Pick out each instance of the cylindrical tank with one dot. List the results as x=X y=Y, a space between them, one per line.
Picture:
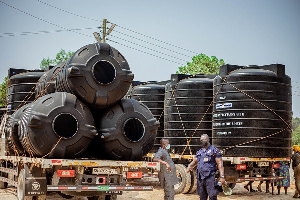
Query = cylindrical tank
x=127 y=131
x=184 y=109
x=97 y=74
x=152 y=95
x=13 y=132
x=57 y=124
x=254 y=104
x=46 y=84
x=20 y=90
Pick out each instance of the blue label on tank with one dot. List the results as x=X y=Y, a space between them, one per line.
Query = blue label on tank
x=224 y=105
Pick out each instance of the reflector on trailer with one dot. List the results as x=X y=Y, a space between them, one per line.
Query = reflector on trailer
x=241 y=167
x=275 y=166
x=66 y=173
x=134 y=174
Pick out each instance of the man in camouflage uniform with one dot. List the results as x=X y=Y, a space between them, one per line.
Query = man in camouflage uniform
x=167 y=174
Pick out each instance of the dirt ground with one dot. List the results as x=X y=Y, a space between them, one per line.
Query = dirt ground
x=238 y=193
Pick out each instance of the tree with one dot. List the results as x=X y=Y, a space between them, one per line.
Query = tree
x=202 y=64
x=296 y=136
x=61 y=56
x=3 y=88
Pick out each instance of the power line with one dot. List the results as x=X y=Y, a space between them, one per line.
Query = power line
x=144 y=52
x=71 y=13
x=155 y=39
x=42 y=19
x=41 y=32
x=150 y=43
x=149 y=48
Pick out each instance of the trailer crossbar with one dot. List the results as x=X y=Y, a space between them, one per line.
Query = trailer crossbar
x=81 y=188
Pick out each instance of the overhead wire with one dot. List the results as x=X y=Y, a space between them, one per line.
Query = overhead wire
x=93 y=19
x=144 y=52
x=38 y=18
x=41 y=32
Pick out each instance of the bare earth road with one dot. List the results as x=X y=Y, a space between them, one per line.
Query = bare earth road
x=239 y=192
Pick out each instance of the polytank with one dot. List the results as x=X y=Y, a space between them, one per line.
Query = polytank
x=97 y=74
x=253 y=106
x=57 y=125
x=127 y=131
x=185 y=107
x=152 y=94
x=21 y=89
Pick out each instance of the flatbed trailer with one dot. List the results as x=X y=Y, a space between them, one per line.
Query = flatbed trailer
x=95 y=179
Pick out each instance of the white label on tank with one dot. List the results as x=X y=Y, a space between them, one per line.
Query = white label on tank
x=224 y=105
x=223 y=133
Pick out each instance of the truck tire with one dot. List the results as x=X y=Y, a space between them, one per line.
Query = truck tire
x=193 y=187
x=126 y=130
x=21 y=187
x=184 y=180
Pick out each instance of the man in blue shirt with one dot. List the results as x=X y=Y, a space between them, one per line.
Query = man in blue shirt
x=208 y=159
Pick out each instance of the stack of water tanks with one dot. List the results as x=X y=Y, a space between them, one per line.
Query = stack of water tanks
x=253 y=109
x=78 y=105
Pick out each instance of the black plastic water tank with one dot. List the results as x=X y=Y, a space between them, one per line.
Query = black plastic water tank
x=97 y=74
x=185 y=109
x=46 y=84
x=20 y=89
x=127 y=131
x=238 y=119
x=54 y=116
x=152 y=95
x=13 y=131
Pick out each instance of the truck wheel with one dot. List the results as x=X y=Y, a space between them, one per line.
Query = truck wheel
x=21 y=187
x=193 y=181
x=184 y=179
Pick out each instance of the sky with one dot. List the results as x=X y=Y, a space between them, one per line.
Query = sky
x=156 y=37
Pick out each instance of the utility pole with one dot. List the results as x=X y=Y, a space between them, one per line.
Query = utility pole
x=104 y=30
x=104 y=33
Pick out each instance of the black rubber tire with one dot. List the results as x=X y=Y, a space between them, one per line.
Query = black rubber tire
x=194 y=177
x=184 y=180
x=21 y=187
x=126 y=131
x=59 y=115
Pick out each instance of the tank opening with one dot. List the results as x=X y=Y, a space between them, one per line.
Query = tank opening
x=104 y=72
x=134 y=129
x=65 y=125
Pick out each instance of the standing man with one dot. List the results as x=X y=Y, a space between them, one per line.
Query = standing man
x=296 y=168
x=208 y=160
x=167 y=174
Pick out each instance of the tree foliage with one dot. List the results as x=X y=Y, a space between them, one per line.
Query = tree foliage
x=3 y=88
x=202 y=64
x=296 y=131
x=61 y=56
